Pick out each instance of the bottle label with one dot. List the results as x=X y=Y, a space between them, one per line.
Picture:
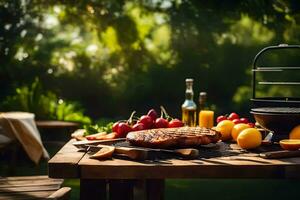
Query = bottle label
x=189 y=117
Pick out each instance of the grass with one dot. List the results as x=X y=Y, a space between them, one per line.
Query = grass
x=231 y=189
x=74 y=184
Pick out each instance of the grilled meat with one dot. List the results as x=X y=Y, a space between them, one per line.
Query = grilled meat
x=173 y=137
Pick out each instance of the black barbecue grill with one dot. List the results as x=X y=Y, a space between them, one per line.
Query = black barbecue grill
x=277 y=114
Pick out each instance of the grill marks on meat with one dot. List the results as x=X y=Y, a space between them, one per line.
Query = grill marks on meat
x=173 y=137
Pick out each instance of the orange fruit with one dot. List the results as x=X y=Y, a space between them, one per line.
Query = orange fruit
x=295 y=133
x=237 y=129
x=225 y=128
x=249 y=138
x=291 y=144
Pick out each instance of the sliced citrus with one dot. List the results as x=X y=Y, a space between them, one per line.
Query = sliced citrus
x=290 y=144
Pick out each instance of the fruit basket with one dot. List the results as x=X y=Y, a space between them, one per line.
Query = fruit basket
x=277 y=114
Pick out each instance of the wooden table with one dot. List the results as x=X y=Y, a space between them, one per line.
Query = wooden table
x=124 y=179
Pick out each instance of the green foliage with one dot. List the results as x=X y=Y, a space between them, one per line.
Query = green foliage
x=44 y=104
x=116 y=56
x=97 y=128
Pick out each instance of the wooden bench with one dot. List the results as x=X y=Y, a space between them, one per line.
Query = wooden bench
x=32 y=188
x=52 y=124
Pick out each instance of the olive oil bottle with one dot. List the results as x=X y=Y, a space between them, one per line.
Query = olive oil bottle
x=189 y=107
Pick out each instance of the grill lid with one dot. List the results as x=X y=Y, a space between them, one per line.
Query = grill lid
x=281 y=101
x=277 y=110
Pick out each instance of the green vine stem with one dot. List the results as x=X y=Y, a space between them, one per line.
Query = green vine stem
x=163 y=110
x=129 y=121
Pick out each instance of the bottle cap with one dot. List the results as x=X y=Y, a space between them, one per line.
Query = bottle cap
x=202 y=97
x=202 y=94
x=189 y=80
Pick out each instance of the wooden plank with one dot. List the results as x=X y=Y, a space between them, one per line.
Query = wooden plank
x=16 y=178
x=227 y=161
x=26 y=195
x=230 y=162
x=24 y=184
x=56 y=124
x=29 y=189
x=61 y=194
x=146 y=171
x=93 y=189
x=25 y=181
x=28 y=184
x=64 y=164
x=21 y=198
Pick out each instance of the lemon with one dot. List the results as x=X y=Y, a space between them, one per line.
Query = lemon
x=225 y=127
x=249 y=138
x=237 y=129
x=295 y=133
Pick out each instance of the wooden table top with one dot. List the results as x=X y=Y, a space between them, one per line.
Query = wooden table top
x=224 y=161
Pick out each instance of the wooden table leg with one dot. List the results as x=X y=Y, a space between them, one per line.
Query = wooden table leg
x=121 y=189
x=92 y=189
x=155 y=189
x=149 y=189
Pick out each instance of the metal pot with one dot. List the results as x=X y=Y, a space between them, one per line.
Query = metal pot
x=280 y=120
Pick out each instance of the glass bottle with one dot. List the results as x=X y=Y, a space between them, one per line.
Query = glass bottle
x=206 y=116
x=189 y=108
x=202 y=101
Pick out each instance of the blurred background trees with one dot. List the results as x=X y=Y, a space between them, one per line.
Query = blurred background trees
x=114 y=56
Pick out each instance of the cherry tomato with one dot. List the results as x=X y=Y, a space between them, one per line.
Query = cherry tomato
x=153 y=114
x=175 y=123
x=138 y=127
x=244 y=120
x=147 y=121
x=236 y=121
x=252 y=125
x=221 y=118
x=161 y=123
x=123 y=129
x=115 y=126
x=233 y=116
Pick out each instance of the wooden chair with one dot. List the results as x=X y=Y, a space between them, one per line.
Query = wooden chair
x=32 y=188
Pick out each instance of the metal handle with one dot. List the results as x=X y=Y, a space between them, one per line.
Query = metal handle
x=280 y=154
x=263 y=51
